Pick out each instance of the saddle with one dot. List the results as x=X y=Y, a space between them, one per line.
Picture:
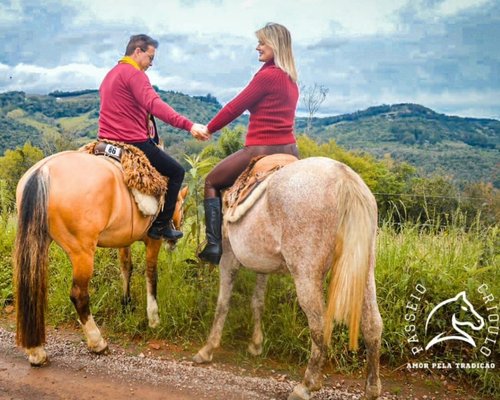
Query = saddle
x=147 y=185
x=251 y=183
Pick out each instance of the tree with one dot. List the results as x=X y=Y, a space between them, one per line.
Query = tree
x=55 y=142
x=230 y=141
x=13 y=165
x=312 y=98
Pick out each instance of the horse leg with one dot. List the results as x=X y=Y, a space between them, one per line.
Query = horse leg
x=83 y=265
x=310 y=296
x=152 y=250
x=228 y=268
x=371 y=327
x=126 y=268
x=258 y=298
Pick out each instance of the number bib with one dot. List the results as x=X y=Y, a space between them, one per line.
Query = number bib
x=113 y=151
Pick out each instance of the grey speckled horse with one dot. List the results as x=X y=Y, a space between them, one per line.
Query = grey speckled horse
x=316 y=216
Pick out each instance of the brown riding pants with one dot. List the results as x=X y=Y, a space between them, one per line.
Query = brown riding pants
x=227 y=171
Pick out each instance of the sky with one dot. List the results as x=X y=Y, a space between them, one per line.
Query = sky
x=442 y=54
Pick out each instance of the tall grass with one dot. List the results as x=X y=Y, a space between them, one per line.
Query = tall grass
x=444 y=260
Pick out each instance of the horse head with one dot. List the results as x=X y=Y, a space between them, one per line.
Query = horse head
x=475 y=322
x=463 y=315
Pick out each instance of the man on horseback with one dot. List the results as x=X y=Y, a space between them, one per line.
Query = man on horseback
x=271 y=97
x=128 y=104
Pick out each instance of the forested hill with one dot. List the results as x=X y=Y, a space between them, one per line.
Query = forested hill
x=465 y=148
x=74 y=114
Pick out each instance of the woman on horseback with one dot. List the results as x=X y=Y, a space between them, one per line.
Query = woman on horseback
x=271 y=98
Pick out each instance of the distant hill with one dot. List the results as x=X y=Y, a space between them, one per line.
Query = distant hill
x=24 y=117
x=465 y=148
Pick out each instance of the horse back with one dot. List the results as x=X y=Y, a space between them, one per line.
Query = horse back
x=297 y=216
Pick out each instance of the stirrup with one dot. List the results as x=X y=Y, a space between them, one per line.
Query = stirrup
x=164 y=232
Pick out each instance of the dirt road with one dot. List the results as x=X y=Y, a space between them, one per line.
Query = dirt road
x=75 y=374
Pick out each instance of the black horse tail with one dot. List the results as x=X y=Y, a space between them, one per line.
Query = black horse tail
x=31 y=260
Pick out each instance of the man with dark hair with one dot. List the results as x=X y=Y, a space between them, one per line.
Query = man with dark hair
x=142 y=41
x=128 y=104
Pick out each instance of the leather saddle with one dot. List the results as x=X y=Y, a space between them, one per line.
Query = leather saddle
x=251 y=184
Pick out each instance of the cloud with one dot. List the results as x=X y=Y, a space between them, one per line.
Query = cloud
x=448 y=8
x=10 y=12
x=308 y=19
x=36 y=79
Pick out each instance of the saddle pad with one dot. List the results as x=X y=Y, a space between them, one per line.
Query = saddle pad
x=138 y=173
x=259 y=169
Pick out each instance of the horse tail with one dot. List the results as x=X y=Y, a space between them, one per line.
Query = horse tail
x=353 y=255
x=31 y=260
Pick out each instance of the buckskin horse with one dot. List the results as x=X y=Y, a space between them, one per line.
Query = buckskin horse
x=316 y=216
x=81 y=202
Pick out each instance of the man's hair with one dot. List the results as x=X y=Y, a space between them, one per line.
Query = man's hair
x=280 y=40
x=142 y=41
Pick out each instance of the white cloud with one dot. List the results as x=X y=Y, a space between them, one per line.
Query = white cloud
x=36 y=79
x=444 y=9
x=10 y=12
x=453 y=7
x=308 y=20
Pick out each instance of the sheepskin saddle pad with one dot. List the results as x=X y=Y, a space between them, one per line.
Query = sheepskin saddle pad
x=147 y=185
x=252 y=183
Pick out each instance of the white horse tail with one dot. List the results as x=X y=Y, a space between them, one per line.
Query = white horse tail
x=353 y=253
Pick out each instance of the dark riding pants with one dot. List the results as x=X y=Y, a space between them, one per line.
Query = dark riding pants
x=167 y=166
x=227 y=171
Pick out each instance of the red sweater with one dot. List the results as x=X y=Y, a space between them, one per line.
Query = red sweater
x=271 y=97
x=127 y=98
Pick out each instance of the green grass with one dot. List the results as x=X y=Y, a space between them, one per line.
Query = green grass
x=445 y=261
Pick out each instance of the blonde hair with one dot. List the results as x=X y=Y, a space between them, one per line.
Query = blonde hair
x=279 y=39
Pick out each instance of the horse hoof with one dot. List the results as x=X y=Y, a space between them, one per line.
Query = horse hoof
x=154 y=323
x=199 y=358
x=300 y=392
x=373 y=392
x=254 y=349
x=99 y=348
x=37 y=356
x=153 y=320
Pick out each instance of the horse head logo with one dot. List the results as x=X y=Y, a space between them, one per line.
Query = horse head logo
x=472 y=320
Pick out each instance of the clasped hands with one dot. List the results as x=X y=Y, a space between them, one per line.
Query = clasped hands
x=200 y=132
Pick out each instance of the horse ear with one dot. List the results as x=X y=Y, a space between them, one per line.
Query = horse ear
x=184 y=192
x=461 y=295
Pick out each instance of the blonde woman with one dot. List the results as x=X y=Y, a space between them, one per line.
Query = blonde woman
x=271 y=98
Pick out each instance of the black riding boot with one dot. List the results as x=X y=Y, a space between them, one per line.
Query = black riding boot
x=163 y=227
x=163 y=230
x=213 y=219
